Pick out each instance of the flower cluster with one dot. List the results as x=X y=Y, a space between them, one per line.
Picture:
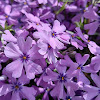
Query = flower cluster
x=49 y=50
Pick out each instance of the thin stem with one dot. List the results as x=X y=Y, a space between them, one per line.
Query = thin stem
x=62 y=8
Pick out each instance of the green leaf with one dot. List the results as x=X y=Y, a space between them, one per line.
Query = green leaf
x=47 y=61
x=68 y=0
x=55 y=70
x=62 y=8
x=7 y=27
x=1 y=28
x=78 y=38
x=77 y=24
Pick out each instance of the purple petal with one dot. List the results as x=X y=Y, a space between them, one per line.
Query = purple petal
x=16 y=68
x=28 y=44
x=12 y=51
x=32 y=69
x=9 y=37
x=91 y=92
x=96 y=79
x=52 y=76
x=4 y=89
x=58 y=28
x=92 y=27
x=15 y=96
x=31 y=92
x=77 y=18
x=21 y=43
x=83 y=78
x=23 y=79
x=71 y=88
x=93 y=47
x=78 y=57
x=7 y=9
x=84 y=59
x=80 y=34
x=58 y=91
x=90 y=14
x=98 y=97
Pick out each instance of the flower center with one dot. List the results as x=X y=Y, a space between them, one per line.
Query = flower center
x=49 y=47
x=62 y=77
x=24 y=57
x=82 y=10
x=16 y=86
x=88 y=40
x=48 y=89
x=37 y=23
x=54 y=34
x=79 y=67
x=25 y=3
x=72 y=36
x=6 y=16
x=68 y=98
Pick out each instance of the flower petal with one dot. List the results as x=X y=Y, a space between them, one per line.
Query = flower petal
x=4 y=89
x=15 y=96
x=12 y=50
x=51 y=76
x=16 y=68
x=7 y=9
x=31 y=92
x=96 y=79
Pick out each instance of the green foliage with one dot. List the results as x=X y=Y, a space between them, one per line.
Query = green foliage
x=8 y=27
x=39 y=97
x=47 y=61
x=62 y=8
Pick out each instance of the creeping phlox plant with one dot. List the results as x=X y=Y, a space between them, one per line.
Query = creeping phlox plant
x=49 y=49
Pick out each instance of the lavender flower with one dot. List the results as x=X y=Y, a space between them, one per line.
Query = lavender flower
x=23 y=56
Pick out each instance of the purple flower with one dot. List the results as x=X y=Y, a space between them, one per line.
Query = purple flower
x=93 y=26
x=95 y=63
x=45 y=88
x=18 y=90
x=54 y=35
x=47 y=51
x=8 y=37
x=34 y=21
x=78 y=68
x=73 y=40
x=92 y=91
x=93 y=47
x=56 y=32
x=23 y=56
x=10 y=15
x=61 y=79
x=3 y=58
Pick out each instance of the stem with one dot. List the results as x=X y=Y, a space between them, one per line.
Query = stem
x=62 y=8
